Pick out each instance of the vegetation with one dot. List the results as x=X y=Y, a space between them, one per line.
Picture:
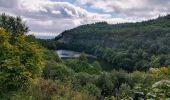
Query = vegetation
x=30 y=72
x=21 y=63
x=130 y=46
x=13 y=25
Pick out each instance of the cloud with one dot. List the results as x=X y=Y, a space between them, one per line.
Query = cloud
x=56 y=12
x=49 y=16
x=54 y=16
x=131 y=8
x=11 y=4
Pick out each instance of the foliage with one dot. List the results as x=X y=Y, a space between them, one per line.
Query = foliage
x=133 y=47
x=12 y=24
x=129 y=46
x=82 y=66
x=20 y=63
x=83 y=57
x=125 y=92
x=105 y=84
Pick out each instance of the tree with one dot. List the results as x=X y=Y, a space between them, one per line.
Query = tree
x=81 y=80
x=105 y=84
x=83 y=57
x=135 y=78
x=160 y=90
x=97 y=65
x=60 y=72
x=13 y=25
x=20 y=63
x=125 y=92
x=118 y=77
x=93 y=90
x=168 y=71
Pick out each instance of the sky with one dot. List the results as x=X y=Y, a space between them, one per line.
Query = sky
x=48 y=18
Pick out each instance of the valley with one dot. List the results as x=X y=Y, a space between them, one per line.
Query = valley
x=99 y=61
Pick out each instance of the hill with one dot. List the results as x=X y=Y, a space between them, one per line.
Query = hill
x=131 y=46
x=30 y=72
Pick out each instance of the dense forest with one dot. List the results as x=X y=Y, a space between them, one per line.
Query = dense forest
x=130 y=46
x=30 y=69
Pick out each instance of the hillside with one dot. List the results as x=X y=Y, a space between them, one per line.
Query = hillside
x=28 y=71
x=131 y=46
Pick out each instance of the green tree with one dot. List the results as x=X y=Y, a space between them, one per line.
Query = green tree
x=93 y=90
x=12 y=24
x=125 y=92
x=136 y=78
x=105 y=84
x=83 y=57
x=20 y=63
x=60 y=72
x=82 y=79
x=97 y=65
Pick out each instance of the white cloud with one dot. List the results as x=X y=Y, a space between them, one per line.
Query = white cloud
x=131 y=8
x=46 y=16
x=56 y=12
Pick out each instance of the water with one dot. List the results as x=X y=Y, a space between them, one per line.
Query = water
x=68 y=54
x=71 y=54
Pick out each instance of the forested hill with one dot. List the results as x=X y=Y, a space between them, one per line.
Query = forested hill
x=30 y=72
x=131 y=46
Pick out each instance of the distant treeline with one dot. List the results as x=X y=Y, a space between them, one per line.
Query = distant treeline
x=131 y=46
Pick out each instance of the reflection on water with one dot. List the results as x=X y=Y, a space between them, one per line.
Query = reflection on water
x=73 y=54
x=70 y=54
x=67 y=54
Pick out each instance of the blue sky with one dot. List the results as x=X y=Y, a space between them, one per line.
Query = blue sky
x=47 y=18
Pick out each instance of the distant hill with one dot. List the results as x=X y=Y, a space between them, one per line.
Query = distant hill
x=131 y=46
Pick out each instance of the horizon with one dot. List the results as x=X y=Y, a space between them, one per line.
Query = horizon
x=48 y=18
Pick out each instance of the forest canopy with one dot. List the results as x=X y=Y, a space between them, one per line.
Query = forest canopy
x=30 y=71
x=130 y=46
